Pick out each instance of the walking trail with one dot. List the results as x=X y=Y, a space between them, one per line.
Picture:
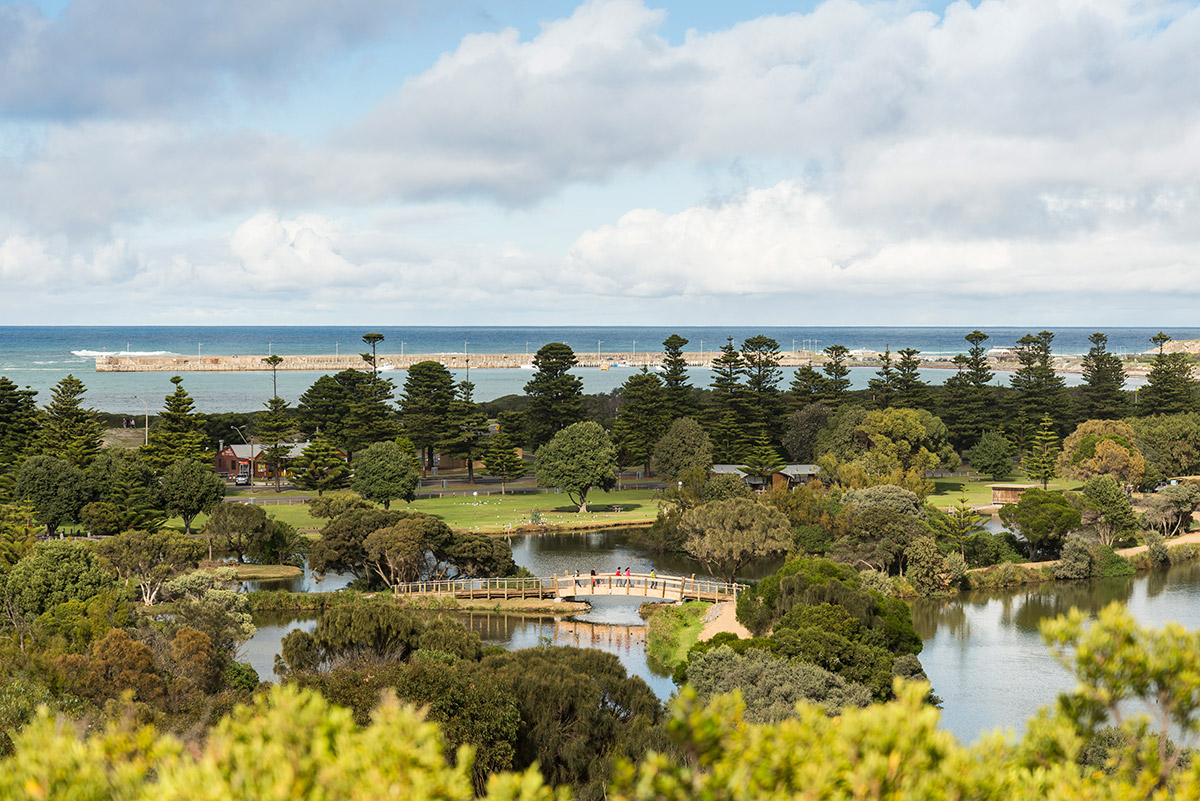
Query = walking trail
x=723 y=618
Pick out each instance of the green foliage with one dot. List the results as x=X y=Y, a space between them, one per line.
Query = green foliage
x=425 y=405
x=18 y=424
x=149 y=558
x=725 y=535
x=179 y=433
x=891 y=446
x=992 y=455
x=56 y=572
x=1100 y=447
x=502 y=460
x=274 y=427
x=340 y=548
x=800 y=438
x=969 y=400
x=320 y=467
x=579 y=457
x=555 y=395
x=1038 y=390
x=56 y=489
x=204 y=601
x=642 y=419
x=1041 y=461
x=928 y=571
x=1107 y=510
x=677 y=390
x=878 y=537
x=336 y=504
x=68 y=430
x=1170 y=443
x=1170 y=388
x=1042 y=518
x=189 y=488
x=762 y=461
x=1169 y=511
x=1102 y=396
x=384 y=473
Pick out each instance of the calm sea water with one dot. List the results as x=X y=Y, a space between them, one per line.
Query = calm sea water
x=38 y=357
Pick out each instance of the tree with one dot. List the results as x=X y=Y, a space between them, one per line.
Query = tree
x=340 y=547
x=179 y=433
x=958 y=523
x=468 y=428
x=683 y=450
x=1102 y=447
x=725 y=535
x=555 y=395
x=837 y=375
x=502 y=460
x=274 y=427
x=56 y=572
x=887 y=446
x=1169 y=511
x=189 y=488
x=760 y=356
x=908 y=388
x=149 y=558
x=883 y=386
x=1170 y=387
x=642 y=419
x=273 y=361
x=321 y=467
x=969 y=406
x=325 y=407
x=878 y=538
x=578 y=458
x=727 y=412
x=385 y=473
x=68 y=430
x=677 y=389
x=370 y=417
x=1107 y=510
x=1038 y=391
x=1102 y=396
x=239 y=526
x=992 y=455
x=18 y=424
x=425 y=408
x=372 y=341
x=802 y=431
x=55 y=487
x=1041 y=461
x=1042 y=518
x=762 y=461
x=808 y=386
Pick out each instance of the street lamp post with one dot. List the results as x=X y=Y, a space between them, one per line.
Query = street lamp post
x=146 y=406
x=474 y=508
x=198 y=344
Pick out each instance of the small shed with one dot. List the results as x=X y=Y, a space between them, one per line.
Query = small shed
x=1008 y=493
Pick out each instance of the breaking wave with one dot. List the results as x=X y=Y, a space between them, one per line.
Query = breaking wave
x=94 y=353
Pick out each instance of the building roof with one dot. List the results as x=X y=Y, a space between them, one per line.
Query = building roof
x=789 y=470
x=244 y=451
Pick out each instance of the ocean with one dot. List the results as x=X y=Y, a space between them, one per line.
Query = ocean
x=38 y=357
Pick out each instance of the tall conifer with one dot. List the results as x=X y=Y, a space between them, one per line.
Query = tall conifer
x=69 y=431
x=179 y=433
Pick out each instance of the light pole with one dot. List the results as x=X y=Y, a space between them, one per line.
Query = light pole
x=402 y=344
x=146 y=406
x=198 y=344
x=474 y=508
x=598 y=341
x=467 y=360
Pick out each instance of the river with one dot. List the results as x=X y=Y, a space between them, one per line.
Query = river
x=983 y=650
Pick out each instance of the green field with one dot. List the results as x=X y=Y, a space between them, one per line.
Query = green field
x=496 y=513
x=948 y=490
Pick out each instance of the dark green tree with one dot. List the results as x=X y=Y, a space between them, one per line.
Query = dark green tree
x=910 y=391
x=642 y=419
x=384 y=473
x=1107 y=510
x=808 y=386
x=837 y=375
x=764 y=406
x=677 y=387
x=1041 y=460
x=1170 y=387
x=684 y=450
x=725 y=535
x=555 y=395
x=727 y=411
x=274 y=429
x=371 y=417
x=425 y=407
x=148 y=559
x=969 y=401
x=468 y=428
x=325 y=406
x=578 y=458
x=804 y=426
x=1037 y=390
x=68 y=430
x=340 y=547
x=56 y=488
x=273 y=361
x=56 y=572
x=321 y=467
x=502 y=460
x=189 y=488
x=372 y=341
x=179 y=433
x=883 y=386
x=992 y=455
x=1102 y=396
x=762 y=461
x=18 y=424
x=1042 y=519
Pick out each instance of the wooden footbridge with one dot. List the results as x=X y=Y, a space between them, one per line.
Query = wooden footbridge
x=636 y=585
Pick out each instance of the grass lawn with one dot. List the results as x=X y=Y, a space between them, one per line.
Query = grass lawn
x=494 y=513
x=947 y=491
x=672 y=630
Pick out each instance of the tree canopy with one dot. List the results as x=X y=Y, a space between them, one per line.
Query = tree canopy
x=578 y=458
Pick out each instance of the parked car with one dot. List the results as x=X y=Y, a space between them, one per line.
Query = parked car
x=242 y=480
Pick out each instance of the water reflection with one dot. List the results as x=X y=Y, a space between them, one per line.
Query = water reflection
x=272 y=627
x=307 y=581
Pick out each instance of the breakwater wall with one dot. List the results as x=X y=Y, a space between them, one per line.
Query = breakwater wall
x=392 y=361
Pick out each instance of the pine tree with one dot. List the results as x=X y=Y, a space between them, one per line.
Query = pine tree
x=274 y=427
x=425 y=406
x=910 y=391
x=69 y=431
x=555 y=395
x=18 y=424
x=642 y=418
x=727 y=410
x=321 y=467
x=678 y=389
x=760 y=355
x=179 y=433
x=837 y=375
x=502 y=460
x=1102 y=396
x=370 y=417
x=372 y=341
x=1037 y=390
x=969 y=402
x=884 y=386
x=762 y=461
x=1170 y=387
x=467 y=428
x=1041 y=461
x=808 y=386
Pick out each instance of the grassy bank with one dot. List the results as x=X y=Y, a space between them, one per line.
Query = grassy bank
x=282 y=601
x=671 y=630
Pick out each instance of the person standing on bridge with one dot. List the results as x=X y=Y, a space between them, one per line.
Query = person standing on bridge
x=653 y=583
x=593 y=578
x=618 y=584
x=576 y=577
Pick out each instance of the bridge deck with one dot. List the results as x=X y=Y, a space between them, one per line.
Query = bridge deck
x=638 y=585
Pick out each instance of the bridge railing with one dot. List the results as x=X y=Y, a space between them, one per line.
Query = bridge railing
x=636 y=584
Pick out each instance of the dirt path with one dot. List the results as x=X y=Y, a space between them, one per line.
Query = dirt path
x=1180 y=540
x=723 y=617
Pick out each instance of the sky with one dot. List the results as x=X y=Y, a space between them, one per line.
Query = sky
x=302 y=162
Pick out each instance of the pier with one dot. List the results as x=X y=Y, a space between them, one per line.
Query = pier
x=390 y=361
